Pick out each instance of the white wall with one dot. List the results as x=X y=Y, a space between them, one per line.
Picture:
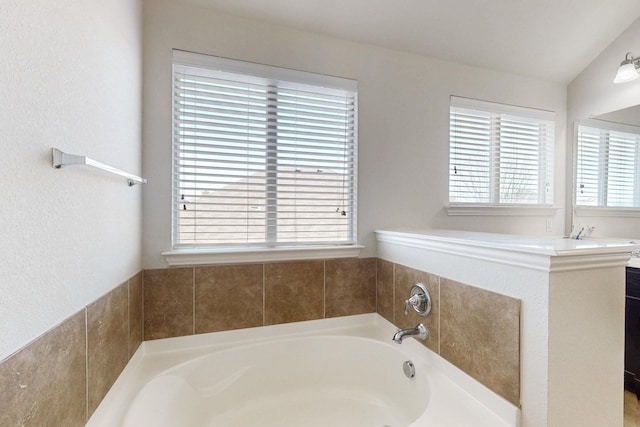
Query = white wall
x=70 y=77
x=403 y=117
x=594 y=93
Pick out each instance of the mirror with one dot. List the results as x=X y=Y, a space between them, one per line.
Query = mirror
x=617 y=220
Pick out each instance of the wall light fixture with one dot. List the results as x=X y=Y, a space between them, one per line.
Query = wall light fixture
x=628 y=69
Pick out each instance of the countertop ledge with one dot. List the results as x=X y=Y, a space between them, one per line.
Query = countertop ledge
x=538 y=253
x=552 y=246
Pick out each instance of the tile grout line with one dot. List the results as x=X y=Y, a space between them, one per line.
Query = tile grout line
x=142 y=297
x=376 y=283
x=439 y=311
x=86 y=364
x=193 y=300
x=324 y=289
x=393 y=292
x=129 y=343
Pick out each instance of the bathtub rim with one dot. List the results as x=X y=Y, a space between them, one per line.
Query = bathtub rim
x=155 y=357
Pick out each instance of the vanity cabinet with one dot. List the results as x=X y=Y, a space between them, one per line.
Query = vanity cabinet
x=632 y=332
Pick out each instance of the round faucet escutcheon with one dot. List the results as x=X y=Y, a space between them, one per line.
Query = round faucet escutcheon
x=419 y=299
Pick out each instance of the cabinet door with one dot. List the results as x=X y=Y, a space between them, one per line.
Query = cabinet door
x=632 y=336
x=632 y=332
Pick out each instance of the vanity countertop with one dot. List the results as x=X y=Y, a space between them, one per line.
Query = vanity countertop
x=634 y=262
x=542 y=245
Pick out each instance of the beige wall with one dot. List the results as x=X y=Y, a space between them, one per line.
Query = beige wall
x=403 y=118
x=71 y=78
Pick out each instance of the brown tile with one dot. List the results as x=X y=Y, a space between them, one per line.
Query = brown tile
x=294 y=291
x=480 y=334
x=384 y=289
x=135 y=313
x=168 y=302
x=44 y=384
x=405 y=278
x=350 y=285
x=107 y=343
x=228 y=297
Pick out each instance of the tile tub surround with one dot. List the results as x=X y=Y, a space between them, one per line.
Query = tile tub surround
x=228 y=297
x=480 y=334
x=192 y=300
x=475 y=329
x=64 y=374
x=61 y=377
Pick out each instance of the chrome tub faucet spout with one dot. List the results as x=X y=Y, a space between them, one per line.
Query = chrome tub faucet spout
x=420 y=331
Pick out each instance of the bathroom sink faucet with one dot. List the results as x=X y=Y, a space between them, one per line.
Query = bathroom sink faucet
x=420 y=331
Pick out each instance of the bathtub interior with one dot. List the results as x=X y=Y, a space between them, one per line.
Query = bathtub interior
x=239 y=377
x=309 y=381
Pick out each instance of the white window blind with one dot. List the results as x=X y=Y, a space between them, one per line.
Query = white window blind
x=499 y=154
x=608 y=165
x=262 y=156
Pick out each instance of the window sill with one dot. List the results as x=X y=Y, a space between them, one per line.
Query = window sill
x=604 y=211
x=497 y=210
x=187 y=257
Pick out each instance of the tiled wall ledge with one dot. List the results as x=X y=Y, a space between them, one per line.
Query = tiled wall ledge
x=61 y=377
x=193 y=300
x=475 y=329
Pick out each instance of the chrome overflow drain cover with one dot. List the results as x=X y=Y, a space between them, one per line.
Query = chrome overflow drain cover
x=409 y=369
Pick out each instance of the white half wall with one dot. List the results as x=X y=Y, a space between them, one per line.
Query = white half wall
x=71 y=78
x=403 y=118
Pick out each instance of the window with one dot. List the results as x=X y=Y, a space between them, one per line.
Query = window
x=608 y=165
x=499 y=155
x=263 y=156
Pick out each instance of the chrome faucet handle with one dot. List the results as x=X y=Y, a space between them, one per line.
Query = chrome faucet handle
x=420 y=300
x=414 y=301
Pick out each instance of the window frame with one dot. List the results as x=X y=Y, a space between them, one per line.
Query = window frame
x=601 y=209
x=545 y=205
x=249 y=252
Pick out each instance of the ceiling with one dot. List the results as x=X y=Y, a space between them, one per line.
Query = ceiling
x=548 y=39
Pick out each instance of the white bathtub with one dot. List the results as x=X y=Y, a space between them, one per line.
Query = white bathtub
x=342 y=372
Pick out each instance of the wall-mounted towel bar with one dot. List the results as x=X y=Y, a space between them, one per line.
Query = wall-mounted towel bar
x=64 y=159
